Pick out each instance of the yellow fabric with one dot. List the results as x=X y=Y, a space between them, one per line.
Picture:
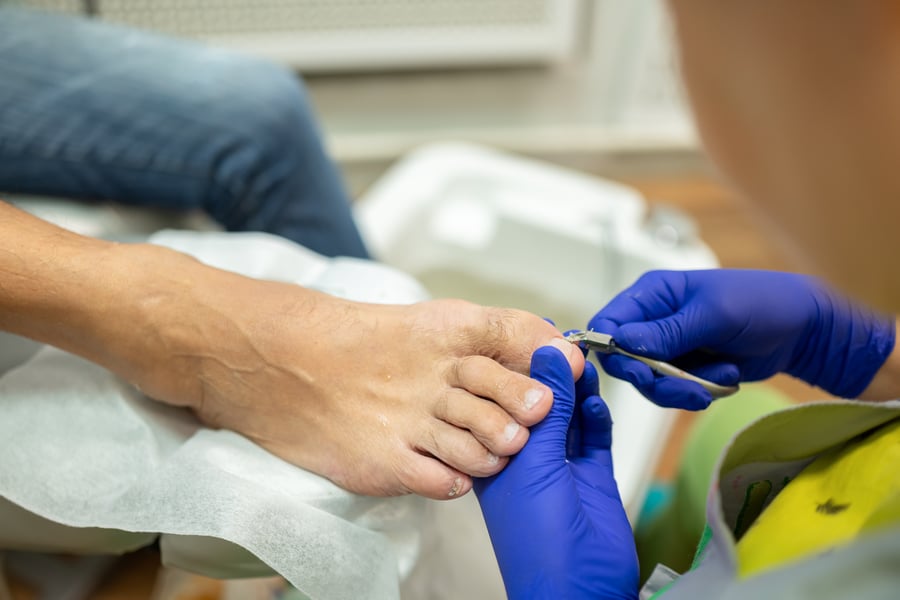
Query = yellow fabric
x=842 y=494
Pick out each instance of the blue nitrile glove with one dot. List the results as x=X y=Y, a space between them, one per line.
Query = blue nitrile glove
x=730 y=325
x=557 y=523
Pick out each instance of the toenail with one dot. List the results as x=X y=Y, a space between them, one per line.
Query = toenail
x=563 y=346
x=510 y=431
x=457 y=485
x=492 y=459
x=532 y=397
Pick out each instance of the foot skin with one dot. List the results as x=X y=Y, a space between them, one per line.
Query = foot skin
x=383 y=400
x=380 y=399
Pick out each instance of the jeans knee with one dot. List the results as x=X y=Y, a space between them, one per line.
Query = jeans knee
x=270 y=169
x=269 y=128
x=275 y=111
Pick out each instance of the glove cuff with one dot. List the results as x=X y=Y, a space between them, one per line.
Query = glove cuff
x=848 y=346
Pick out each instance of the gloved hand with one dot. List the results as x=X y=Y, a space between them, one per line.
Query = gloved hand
x=556 y=521
x=736 y=325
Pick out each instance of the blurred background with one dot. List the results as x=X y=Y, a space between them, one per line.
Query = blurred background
x=583 y=82
x=587 y=84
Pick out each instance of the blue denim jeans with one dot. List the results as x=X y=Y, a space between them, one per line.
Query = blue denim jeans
x=95 y=111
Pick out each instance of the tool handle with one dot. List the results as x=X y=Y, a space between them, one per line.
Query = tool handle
x=663 y=368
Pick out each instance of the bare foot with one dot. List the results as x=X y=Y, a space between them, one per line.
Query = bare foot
x=382 y=400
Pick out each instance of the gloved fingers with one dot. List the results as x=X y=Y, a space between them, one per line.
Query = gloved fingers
x=622 y=367
x=550 y=367
x=592 y=467
x=589 y=382
x=573 y=436
x=677 y=336
x=543 y=459
x=655 y=295
x=723 y=373
x=666 y=338
x=668 y=392
x=671 y=392
x=586 y=386
x=596 y=432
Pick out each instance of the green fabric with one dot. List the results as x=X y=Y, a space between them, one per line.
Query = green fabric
x=671 y=536
x=701 y=545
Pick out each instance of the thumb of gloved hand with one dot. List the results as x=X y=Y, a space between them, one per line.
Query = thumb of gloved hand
x=557 y=522
x=544 y=455
x=546 y=448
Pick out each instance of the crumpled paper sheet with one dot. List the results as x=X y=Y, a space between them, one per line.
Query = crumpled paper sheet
x=83 y=449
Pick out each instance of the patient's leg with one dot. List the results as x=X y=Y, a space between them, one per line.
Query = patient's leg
x=95 y=111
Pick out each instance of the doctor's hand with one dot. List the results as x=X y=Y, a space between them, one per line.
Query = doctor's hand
x=729 y=325
x=555 y=517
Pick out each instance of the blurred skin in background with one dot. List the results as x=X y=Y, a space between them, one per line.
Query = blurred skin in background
x=798 y=104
